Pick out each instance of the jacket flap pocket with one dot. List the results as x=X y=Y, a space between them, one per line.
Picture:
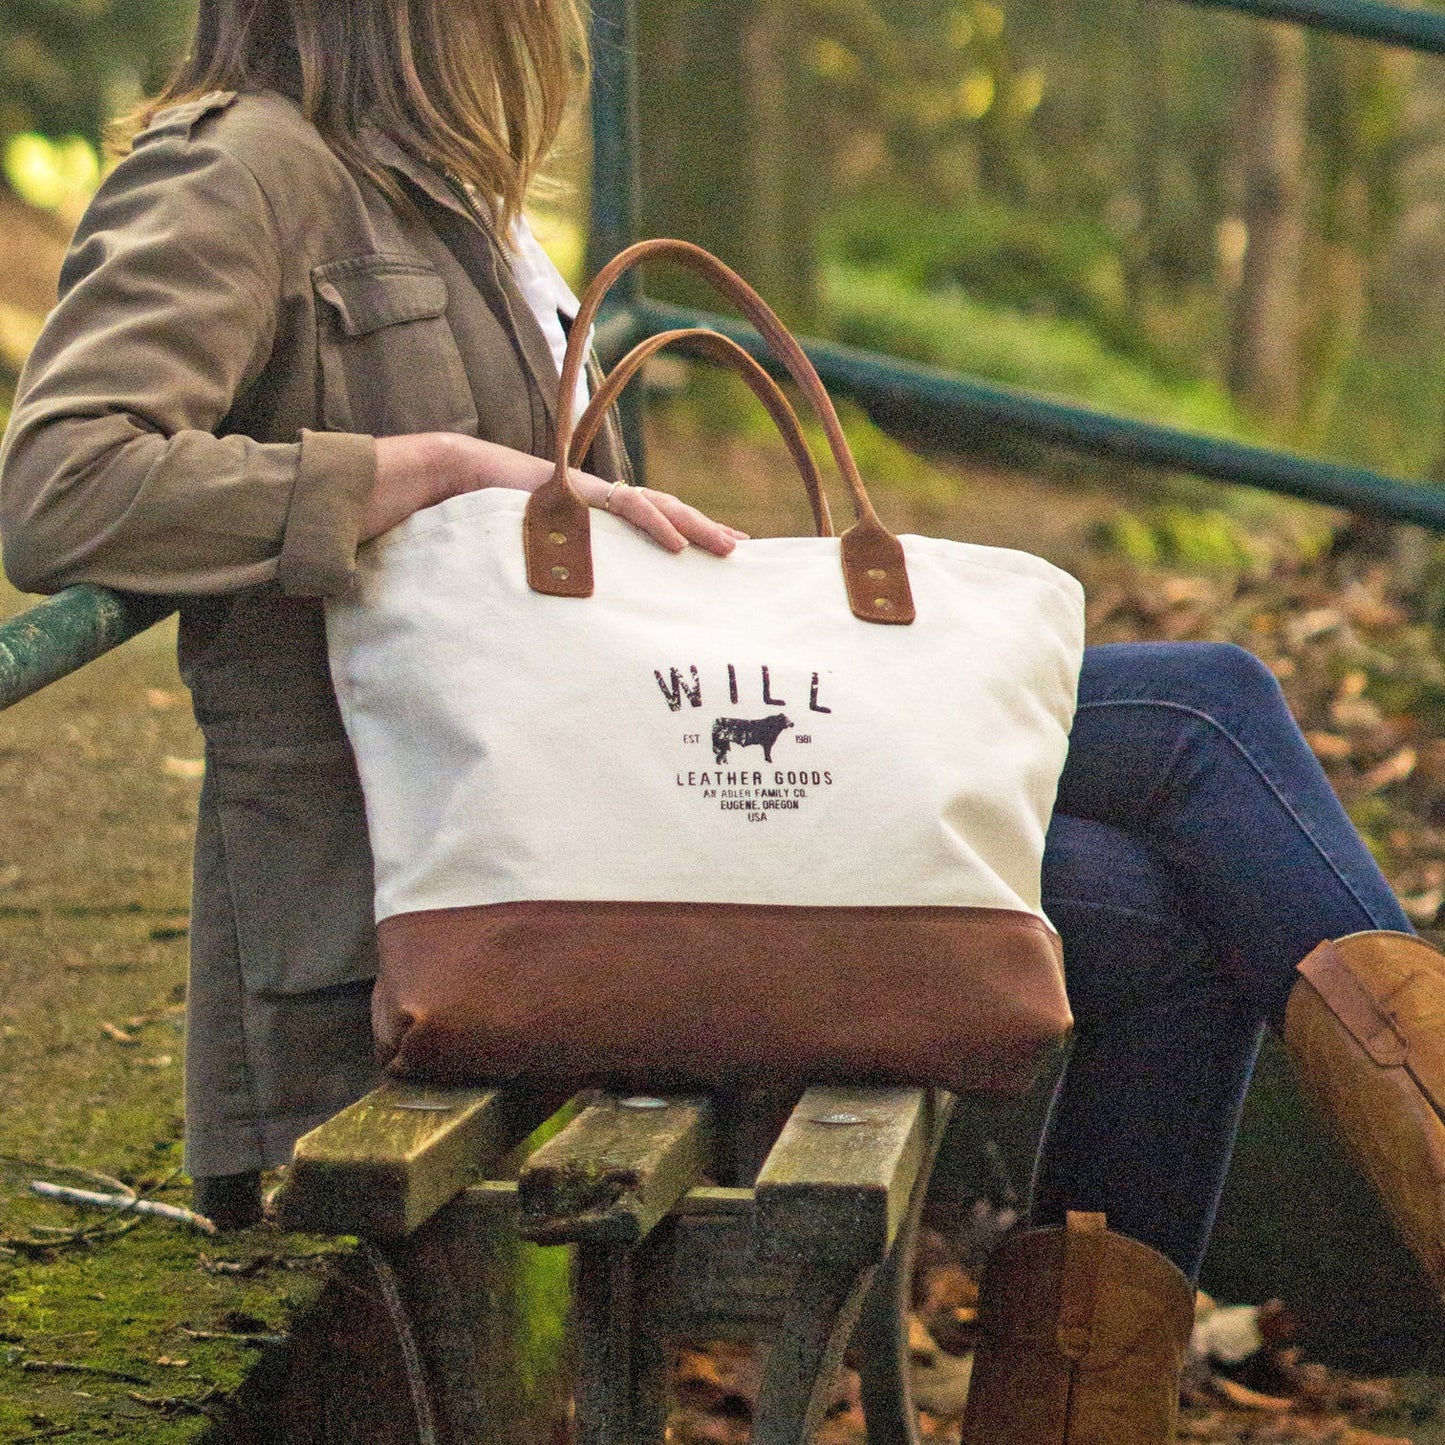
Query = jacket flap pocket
x=369 y=292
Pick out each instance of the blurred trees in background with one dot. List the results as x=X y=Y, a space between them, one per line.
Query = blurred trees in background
x=1147 y=206
x=68 y=66
x=1193 y=215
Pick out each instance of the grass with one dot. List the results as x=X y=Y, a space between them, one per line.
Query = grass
x=874 y=309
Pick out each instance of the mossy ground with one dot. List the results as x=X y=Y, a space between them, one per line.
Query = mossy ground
x=98 y=784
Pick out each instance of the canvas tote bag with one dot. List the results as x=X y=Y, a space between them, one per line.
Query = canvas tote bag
x=680 y=818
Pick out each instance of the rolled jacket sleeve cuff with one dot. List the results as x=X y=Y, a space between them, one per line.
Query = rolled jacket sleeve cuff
x=333 y=484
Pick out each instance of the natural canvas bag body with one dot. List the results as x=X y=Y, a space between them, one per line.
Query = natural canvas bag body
x=637 y=814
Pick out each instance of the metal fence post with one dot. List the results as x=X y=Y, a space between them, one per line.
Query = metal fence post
x=616 y=189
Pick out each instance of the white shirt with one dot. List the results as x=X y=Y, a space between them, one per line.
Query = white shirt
x=546 y=293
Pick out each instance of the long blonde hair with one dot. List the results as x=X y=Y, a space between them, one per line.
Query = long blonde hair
x=478 y=88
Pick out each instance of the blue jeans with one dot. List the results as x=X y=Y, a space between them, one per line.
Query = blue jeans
x=1196 y=855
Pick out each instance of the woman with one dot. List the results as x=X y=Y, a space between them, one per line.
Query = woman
x=275 y=340
x=305 y=306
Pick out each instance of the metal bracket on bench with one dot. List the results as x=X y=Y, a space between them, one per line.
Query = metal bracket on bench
x=606 y=1183
x=846 y=1173
x=883 y=1326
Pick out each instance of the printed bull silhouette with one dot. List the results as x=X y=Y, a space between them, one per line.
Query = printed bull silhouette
x=744 y=732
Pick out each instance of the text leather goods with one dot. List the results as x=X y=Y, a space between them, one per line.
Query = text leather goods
x=638 y=815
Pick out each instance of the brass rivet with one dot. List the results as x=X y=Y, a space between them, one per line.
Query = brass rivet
x=558 y=537
x=877 y=573
x=882 y=604
x=561 y=573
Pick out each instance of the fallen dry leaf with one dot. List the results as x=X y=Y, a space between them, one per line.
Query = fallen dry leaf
x=1421 y=908
x=1247 y=1399
x=1356 y=714
x=1392 y=770
x=1329 y=747
x=949 y=1288
x=940 y=1380
x=1307 y=626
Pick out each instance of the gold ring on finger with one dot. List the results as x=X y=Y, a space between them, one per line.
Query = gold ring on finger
x=611 y=492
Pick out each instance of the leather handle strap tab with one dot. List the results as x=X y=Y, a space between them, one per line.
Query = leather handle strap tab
x=873 y=564
x=726 y=352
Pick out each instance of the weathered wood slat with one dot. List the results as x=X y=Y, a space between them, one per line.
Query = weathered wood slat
x=719 y=1286
x=713 y=1199
x=836 y=1186
x=615 y=1171
x=384 y=1166
x=498 y=1198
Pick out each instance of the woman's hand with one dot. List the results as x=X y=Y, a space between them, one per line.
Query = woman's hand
x=418 y=471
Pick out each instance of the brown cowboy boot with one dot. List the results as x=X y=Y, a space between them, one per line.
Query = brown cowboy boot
x=1083 y=1340
x=1365 y=1030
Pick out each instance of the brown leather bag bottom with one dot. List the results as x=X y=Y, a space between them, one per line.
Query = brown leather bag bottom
x=719 y=994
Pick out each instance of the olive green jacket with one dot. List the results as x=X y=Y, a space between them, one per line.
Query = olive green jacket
x=240 y=316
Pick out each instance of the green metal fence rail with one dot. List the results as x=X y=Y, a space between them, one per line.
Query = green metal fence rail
x=65 y=632
x=1390 y=24
x=951 y=413
x=955 y=413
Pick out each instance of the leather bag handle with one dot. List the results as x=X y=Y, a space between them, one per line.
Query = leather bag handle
x=556 y=527
x=726 y=352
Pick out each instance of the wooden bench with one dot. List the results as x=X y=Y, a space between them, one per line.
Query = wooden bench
x=690 y=1219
